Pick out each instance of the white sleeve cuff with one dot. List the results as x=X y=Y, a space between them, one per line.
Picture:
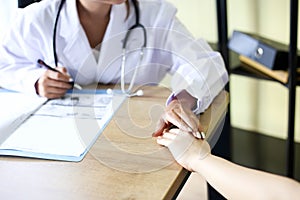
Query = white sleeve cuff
x=197 y=110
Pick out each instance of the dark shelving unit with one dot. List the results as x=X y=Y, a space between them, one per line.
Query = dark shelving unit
x=292 y=72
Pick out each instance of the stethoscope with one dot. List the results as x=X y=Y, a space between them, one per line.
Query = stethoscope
x=128 y=92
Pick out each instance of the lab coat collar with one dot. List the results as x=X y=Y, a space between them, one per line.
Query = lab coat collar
x=111 y=47
x=117 y=23
x=77 y=50
x=69 y=20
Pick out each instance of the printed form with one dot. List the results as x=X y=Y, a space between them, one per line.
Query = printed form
x=62 y=129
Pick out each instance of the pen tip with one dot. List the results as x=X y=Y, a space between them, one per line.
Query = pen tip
x=78 y=87
x=200 y=135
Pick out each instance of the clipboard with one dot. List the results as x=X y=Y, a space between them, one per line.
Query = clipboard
x=62 y=129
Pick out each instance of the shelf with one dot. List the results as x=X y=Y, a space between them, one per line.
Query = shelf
x=244 y=70
x=239 y=68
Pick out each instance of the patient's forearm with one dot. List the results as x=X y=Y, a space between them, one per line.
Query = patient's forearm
x=237 y=182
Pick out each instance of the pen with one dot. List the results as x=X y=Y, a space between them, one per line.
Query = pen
x=41 y=62
x=199 y=135
x=168 y=126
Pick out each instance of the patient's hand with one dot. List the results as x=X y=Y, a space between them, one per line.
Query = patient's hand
x=184 y=147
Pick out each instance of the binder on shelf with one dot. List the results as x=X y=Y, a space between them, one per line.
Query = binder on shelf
x=269 y=53
x=61 y=129
x=256 y=67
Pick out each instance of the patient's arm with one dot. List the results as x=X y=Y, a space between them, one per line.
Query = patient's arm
x=237 y=182
x=231 y=180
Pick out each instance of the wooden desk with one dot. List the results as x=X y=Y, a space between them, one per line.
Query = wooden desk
x=124 y=163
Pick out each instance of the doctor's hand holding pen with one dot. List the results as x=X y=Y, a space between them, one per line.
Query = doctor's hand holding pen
x=54 y=83
x=178 y=113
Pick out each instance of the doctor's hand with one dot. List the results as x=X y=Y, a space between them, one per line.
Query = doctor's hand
x=179 y=113
x=185 y=148
x=53 y=84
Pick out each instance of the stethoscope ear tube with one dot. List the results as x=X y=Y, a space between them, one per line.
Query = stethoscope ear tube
x=55 y=30
x=129 y=32
x=137 y=11
x=136 y=25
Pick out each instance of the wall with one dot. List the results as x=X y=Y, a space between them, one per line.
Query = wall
x=7 y=11
x=256 y=105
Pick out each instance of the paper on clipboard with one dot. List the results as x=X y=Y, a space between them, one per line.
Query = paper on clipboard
x=63 y=129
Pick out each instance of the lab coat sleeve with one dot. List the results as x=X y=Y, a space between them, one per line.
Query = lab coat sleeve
x=19 y=51
x=196 y=67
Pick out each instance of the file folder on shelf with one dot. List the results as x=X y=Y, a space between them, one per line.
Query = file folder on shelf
x=269 y=53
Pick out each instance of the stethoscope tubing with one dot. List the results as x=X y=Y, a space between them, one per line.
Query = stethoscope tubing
x=137 y=24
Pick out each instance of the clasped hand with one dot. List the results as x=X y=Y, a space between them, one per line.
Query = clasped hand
x=179 y=113
x=185 y=148
x=181 y=141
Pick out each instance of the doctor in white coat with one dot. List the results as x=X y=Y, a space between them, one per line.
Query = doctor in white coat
x=88 y=40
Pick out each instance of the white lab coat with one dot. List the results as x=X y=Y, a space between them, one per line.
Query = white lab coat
x=170 y=49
